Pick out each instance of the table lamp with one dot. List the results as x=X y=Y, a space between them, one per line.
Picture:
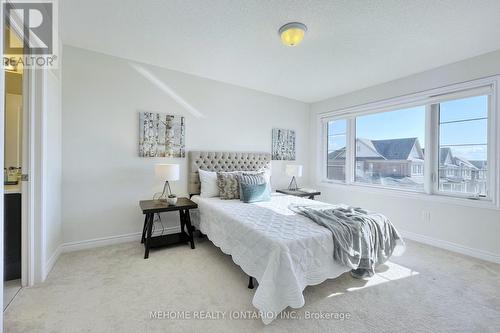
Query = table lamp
x=167 y=172
x=293 y=171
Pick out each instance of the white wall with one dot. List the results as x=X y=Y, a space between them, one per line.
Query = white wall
x=470 y=230
x=103 y=177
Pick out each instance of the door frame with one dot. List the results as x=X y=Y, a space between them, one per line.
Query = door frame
x=27 y=221
x=34 y=139
x=32 y=249
x=2 y=124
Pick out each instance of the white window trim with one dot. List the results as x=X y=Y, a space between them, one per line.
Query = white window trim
x=427 y=98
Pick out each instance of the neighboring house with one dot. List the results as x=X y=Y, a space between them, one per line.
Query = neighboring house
x=400 y=162
x=461 y=175
x=403 y=158
x=336 y=164
x=482 y=169
x=383 y=162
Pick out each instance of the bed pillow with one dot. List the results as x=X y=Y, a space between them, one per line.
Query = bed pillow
x=253 y=178
x=267 y=174
x=254 y=192
x=208 y=181
x=228 y=185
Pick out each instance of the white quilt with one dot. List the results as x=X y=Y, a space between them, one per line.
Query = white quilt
x=284 y=251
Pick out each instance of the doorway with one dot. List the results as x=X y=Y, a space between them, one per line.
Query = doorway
x=13 y=165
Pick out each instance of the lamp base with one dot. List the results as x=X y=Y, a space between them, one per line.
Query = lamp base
x=172 y=201
x=169 y=198
x=293 y=185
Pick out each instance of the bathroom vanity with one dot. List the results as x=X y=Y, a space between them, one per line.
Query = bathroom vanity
x=12 y=232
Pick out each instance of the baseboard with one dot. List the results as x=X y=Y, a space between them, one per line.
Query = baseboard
x=454 y=247
x=51 y=262
x=112 y=240
x=105 y=241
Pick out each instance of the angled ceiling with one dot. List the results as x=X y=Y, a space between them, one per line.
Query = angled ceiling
x=349 y=44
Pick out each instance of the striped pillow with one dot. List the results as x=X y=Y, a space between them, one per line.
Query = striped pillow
x=252 y=179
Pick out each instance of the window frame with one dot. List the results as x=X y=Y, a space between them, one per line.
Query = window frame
x=490 y=156
x=430 y=99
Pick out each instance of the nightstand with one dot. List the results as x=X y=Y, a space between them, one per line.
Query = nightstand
x=152 y=207
x=299 y=193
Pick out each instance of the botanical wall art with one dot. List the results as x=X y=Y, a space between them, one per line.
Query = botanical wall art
x=283 y=144
x=161 y=135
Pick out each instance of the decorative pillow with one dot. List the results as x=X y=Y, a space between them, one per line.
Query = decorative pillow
x=208 y=181
x=252 y=178
x=228 y=185
x=267 y=174
x=255 y=192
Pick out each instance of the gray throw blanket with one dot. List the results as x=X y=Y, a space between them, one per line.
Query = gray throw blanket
x=361 y=240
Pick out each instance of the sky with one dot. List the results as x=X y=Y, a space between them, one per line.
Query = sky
x=408 y=123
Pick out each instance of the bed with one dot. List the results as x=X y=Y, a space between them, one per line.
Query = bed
x=283 y=251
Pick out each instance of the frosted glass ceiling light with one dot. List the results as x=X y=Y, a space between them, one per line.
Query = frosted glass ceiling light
x=292 y=33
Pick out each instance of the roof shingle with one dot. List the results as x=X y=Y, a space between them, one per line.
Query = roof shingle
x=395 y=149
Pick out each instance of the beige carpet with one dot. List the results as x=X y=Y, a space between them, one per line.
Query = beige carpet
x=112 y=289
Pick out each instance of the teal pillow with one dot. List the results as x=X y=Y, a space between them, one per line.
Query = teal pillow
x=251 y=178
x=254 y=193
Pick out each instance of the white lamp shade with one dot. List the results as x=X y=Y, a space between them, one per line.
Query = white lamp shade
x=167 y=171
x=293 y=170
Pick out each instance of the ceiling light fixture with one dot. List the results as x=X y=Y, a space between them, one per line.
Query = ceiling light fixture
x=292 y=33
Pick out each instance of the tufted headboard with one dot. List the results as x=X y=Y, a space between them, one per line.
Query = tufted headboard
x=223 y=161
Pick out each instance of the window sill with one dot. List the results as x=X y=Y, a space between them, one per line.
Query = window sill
x=394 y=192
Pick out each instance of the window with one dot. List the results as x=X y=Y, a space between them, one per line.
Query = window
x=417 y=169
x=336 y=151
x=439 y=142
x=389 y=148
x=463 y=146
